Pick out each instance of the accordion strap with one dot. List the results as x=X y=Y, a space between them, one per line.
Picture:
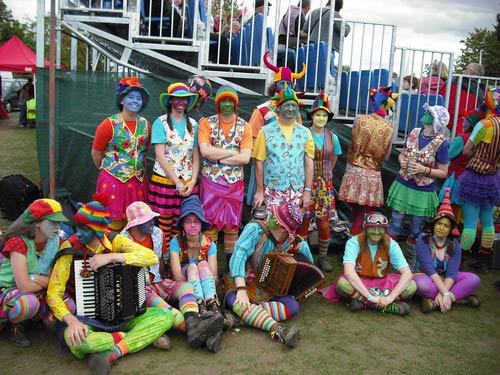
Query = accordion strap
x=75 y=251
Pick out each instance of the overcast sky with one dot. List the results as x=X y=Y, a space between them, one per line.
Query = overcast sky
x=428 y=24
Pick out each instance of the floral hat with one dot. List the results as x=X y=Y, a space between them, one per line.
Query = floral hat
x=178 y=90
x=127 y=85
x=139 y=213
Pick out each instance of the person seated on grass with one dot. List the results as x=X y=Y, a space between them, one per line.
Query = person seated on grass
x=100 y=342
x=162 y=291
x=439 y=254
x=29 y=247
x=366 y=280
x=255 y=306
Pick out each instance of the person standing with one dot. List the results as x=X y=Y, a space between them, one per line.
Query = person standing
x=226 y=144
x=119 y=151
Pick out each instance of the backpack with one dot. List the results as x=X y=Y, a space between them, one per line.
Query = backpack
x=17 y=192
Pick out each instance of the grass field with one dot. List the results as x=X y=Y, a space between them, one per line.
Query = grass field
x=333 y=340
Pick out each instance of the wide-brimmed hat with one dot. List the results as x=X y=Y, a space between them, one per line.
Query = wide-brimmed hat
x=127 y=85
x=375 y=219
x=192 y=205
x=178 y=90
x=139 y=213
x=288 y=216
x=43 y=209
x=95 y=214
x=321 y=102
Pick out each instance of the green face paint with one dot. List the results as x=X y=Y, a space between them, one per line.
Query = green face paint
x=427 y=119
x=226 y=106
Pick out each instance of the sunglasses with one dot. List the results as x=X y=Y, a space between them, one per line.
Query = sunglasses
x=376 y=219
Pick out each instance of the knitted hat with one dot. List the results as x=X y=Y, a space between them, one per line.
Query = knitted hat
x=43 y=209
x=441 y=117
x=139 y=213
x=94 y=214
x=382 y=100
x=288 y=216
x=445 y=210
x=201 y=86
x=375 y=219
x=178 y=90
x=127 y=85
x=491 y=99
x=321 y=102
x=192 y=205
x=226 y=92
x=283 y=73
x=286 y=94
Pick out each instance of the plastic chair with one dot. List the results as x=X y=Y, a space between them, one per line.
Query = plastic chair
x=411 y=109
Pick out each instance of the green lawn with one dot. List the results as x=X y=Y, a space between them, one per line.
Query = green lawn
x=333 y=340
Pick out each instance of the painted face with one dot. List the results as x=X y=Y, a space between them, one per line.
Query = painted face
x=147 y=227
x=191 y=225
x=280 y=85
x=442 y=227
x=84 y=234
x=289 y=109
x=320 y=118
x=132 y=101
x=428 y=119
x=179 y=104
x=226 y=106
x=375 y=234
x=49 y=228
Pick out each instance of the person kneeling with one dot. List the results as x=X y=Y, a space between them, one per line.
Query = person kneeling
x=366 y=281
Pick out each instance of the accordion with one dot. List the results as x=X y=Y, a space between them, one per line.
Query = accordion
x=113 y=294
x=289 y=274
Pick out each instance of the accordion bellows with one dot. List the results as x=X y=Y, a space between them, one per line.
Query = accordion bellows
x=289 y=274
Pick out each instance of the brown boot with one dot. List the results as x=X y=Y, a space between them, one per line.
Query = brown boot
x=214 y=306
x=204 y=312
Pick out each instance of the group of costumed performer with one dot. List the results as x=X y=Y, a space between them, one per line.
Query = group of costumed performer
x=439 y=256
x=265 y=113
x=226 y=145
x=119 y=151
x=326 y=152
x=479 y=186
x=413 y=192
x=370 y=145
x=99 y=342
x=184 y=290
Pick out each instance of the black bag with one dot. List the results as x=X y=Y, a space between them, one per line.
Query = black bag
x=16 y=194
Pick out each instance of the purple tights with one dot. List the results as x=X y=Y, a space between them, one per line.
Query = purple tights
x=465 y=284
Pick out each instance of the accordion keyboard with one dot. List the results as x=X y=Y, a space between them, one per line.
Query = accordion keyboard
x=85 y=306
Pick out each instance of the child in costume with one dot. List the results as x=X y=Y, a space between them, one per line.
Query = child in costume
x=177 y=164
x=479 y=185
x=366 y=281
x=371 y=141
x=193 y=258
x=413 y=192
x=119 y=151
x=326 y=152
x=439 y=255
x=101 y=343
x=29 y=247
x=161 y=290
x=226 y=145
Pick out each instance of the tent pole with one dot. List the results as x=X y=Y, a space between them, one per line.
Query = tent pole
x=52 y=100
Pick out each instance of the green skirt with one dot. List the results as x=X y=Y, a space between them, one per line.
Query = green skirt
x=411 y=201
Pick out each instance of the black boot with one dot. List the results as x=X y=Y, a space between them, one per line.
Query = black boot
x=214 y=306
x=18 y=337
x=199 y=330
x=481 y=264
x=204 y=312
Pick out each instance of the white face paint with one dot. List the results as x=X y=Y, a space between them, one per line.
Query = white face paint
x=49 y=229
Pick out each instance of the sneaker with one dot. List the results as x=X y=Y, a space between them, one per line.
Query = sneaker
x=354 y=305
x=398 y=308
x=323 y=264
x=428 y=305
x=164 y=343
x=287 y=335
x=213 y=342
x=98 y=363
x=471 y=301
x=18 y=337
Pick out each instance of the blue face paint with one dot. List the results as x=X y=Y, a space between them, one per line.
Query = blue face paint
x=147 y=227
x=132 y=101
x=84 y=234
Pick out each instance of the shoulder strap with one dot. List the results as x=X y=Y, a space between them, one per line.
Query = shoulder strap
x=75 y=251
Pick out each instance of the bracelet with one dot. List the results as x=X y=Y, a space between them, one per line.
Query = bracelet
x=32 y=277
x=428 y=173
x=446 y=294
x=308 y=189
x=238 y=288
